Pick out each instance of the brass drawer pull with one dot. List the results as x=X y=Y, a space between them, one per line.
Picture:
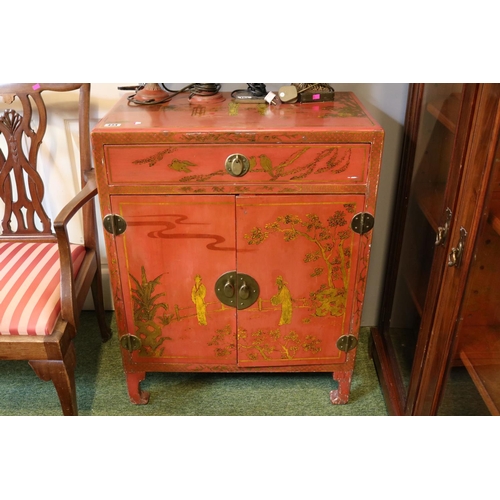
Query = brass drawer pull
x=237 y=165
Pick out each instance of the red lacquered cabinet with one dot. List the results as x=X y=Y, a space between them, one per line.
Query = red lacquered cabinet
x=238 y=235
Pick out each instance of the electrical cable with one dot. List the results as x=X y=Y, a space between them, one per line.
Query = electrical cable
x=302 y=87
x=257 y=90
x=204 y=89
x=195 y=89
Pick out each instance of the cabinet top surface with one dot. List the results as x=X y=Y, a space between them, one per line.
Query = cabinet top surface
x=344 y=114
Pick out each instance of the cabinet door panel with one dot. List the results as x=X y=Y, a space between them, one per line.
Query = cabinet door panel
x=169 y=258
x=303 y=253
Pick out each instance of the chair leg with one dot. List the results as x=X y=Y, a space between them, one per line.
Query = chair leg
x=62 y=374
x=98 y=297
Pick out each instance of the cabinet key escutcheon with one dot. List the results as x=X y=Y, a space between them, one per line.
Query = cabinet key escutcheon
x=455 y=256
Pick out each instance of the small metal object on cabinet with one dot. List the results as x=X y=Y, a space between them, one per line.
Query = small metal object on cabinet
x=247 y=290
x=442 y=231
x=114 y=224
x=347 y=342
x=130 y=342
x=362 y=223
x=237 y=165
x=456 y=252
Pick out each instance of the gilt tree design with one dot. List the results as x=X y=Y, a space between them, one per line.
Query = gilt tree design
x=331 y=254
x=146 y=307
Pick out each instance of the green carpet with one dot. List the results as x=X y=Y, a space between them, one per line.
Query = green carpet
x=101 y=387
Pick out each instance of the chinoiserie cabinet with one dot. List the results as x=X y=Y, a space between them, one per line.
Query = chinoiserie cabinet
x=238 y=235
x=437 y=344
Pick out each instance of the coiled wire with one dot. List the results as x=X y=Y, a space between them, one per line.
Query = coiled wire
x=195 y=89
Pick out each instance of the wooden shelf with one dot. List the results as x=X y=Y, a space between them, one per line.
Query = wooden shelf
x=479 y=350
x=446 y=111
x=430 y=202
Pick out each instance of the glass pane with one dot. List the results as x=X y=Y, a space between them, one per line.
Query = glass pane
x=473 y=386
x=426 y=212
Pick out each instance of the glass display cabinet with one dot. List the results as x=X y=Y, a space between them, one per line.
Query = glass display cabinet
x=437 y=344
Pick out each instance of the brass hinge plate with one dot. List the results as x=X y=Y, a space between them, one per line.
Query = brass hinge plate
x=130 y=342
x=347 y=343
x=114 y=224
x=362 y=223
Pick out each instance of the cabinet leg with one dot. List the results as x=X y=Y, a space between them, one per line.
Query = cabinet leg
x=136 y=395
x=340 y=396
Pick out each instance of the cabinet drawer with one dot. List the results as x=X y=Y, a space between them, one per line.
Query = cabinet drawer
x=185 y=164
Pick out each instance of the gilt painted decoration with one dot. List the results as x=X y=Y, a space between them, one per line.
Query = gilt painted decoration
x=300 y=251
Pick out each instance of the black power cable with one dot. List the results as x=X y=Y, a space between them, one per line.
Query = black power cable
x=255 y=90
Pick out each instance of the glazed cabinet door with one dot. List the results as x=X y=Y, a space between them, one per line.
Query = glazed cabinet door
x=437 y=129
x=170 y=256
x=461 y=375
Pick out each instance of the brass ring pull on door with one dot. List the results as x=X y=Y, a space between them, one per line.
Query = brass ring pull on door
x=237 y=290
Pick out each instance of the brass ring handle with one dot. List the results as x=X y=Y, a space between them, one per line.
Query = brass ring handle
x=236 y=165
x=237 y=290
x=244 y=291
x=229 y=289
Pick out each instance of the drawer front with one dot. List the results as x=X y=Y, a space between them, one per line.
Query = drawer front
x=186 y=164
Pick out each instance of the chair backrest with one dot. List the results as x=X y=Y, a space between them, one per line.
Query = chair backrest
x=21 y=187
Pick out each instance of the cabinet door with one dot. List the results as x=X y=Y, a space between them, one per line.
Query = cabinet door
x=438 y=123
x=467 y=327
x=300 y=250
x=473 y=383
x=304 y=255
x=170 y=256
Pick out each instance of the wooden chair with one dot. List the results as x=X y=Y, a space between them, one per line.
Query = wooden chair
x=44 y=280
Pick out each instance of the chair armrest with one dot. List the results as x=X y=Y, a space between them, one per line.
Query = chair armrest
x=68 y=300
x=86 y=194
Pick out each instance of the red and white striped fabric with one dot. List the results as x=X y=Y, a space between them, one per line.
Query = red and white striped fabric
x=30 y=286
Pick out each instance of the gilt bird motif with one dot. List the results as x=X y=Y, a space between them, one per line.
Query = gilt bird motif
x=181 y=166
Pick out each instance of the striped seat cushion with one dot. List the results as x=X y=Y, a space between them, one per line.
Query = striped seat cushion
x=30 y=286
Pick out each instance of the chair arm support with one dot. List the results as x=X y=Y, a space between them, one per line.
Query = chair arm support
x=87 y=193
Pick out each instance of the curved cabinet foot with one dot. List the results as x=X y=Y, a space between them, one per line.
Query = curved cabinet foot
x=340 y=396
x=136 y=394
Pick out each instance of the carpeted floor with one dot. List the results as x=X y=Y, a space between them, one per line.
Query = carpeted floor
x=101 y=387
